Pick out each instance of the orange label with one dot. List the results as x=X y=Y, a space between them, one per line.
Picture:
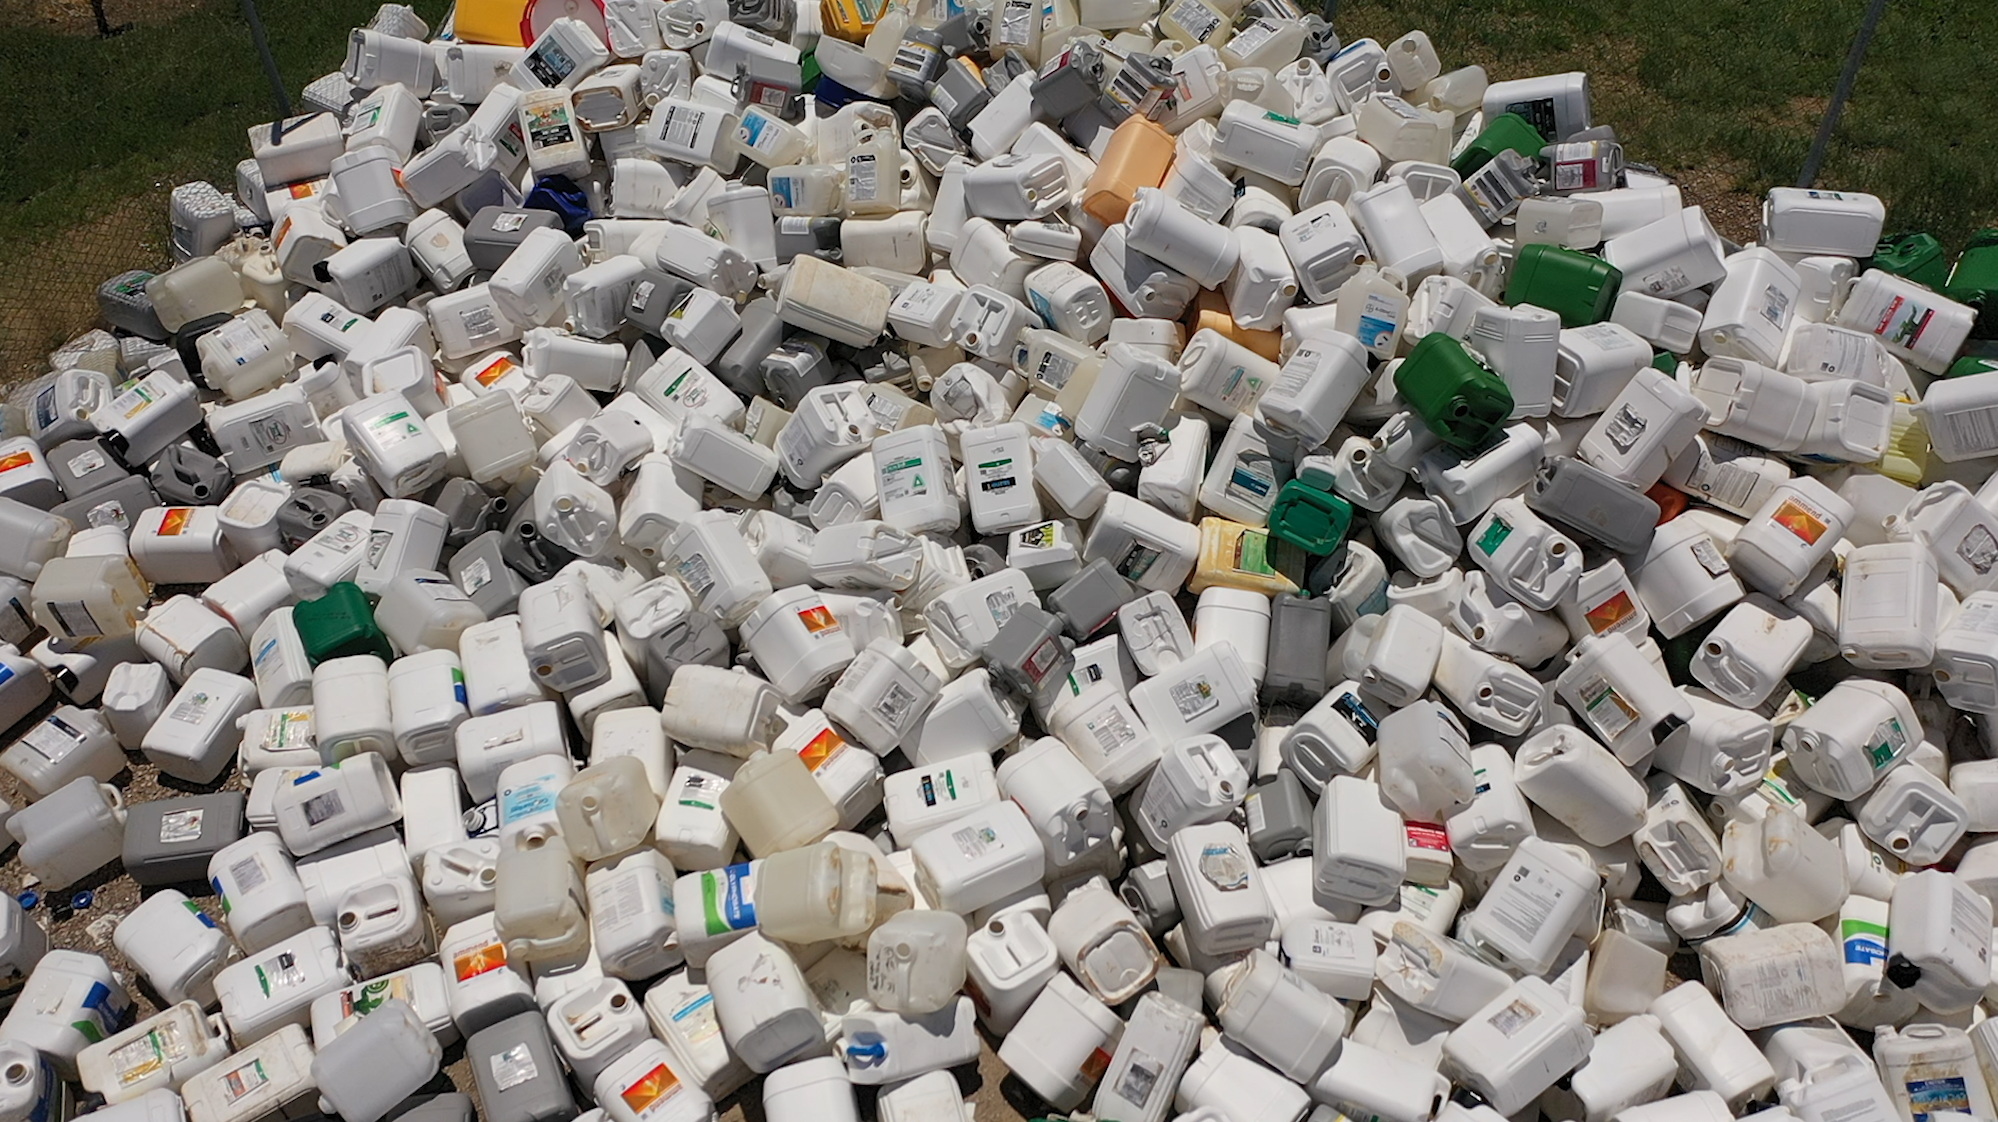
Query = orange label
x=175 y=520
x=497 y=369
x=1800 y=520
x=1610 y=612
x=1093 y=1067
x=473 y=963
x=654 y=1085
x=16 y=459
x=823 y=747
x=1422 y=835
x=819 y=619
x=303 y=190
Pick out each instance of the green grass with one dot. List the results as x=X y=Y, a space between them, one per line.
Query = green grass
x=1728 y=91
x=1737 y=86
x=100 y=120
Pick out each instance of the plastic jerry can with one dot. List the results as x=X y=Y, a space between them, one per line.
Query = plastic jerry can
x=539 y=905
x=1460 y=400
x=1220 y=893
x=70 y=833
x=594 y=1024
x=1581 y=289
x=981 y=859
x=275 y=987
x=70 y=1001
x=1153 y=1052
x=339 y=802
x=1913 y=322
x=422 y=987
x=68 y=744
x=175 y=945
x=518 y=1075
x=1062 y=1044
x=170 y=841
x=765 y=1009
x=267 y=1078
x=263 y=900
x=1139 y=155
x=1538 y=899
x=484 y=988
x=1270 y=1011
x=645 y=1085
x=30 y=1087
x=632 y=916
x=364 y=1072
x=1223 y=1085
x=158 y=1052
x=1936 y=946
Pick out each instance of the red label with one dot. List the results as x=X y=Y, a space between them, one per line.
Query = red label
x=175 y=520
x=822 y=748
x=1422 y=835
x=1610 y=612
x=16 y=459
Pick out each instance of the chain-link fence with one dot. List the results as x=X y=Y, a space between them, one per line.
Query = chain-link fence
x=124 y=99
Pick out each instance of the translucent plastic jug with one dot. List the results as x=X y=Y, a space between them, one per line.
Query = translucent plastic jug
x=607 y=809
x=820 y=892
x=538 y=905
x=916 y=961
x=776 y=804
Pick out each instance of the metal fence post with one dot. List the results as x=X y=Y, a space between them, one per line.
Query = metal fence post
x=279 y=97
x=1854 y=58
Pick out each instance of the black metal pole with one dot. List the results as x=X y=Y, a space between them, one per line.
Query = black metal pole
x=1854 y=58
x=278 y=96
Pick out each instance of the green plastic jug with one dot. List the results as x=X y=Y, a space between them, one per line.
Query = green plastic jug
x=1507 y=130
x=1314 y=521
x=1460 y=400
x=1974 y=281
x=339 y=624
x=1575 y=286
x=1918 y=257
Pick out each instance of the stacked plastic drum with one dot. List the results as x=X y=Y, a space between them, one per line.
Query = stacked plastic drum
x=696 y=550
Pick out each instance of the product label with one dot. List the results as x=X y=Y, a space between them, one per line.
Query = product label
x=946 y=780
x=323 y=808
x=862 y=177
x=243 y=1080
x=1889 y=742
x=1934 y=1096
x=821 y=749
x=1198 y=20
x=360 y=1001
x=1194 y=697
x=74 y=618
x=1380 y=318
x=155 y=1051
x=1137 y=561
x=728 y=900
x=897 y=702
x=1494 y=535
x=904 y=478
x=180 y=826
x=1141 y=1075
x=1610 y=612
x=192 y=709
x=394 y=428
x=1806 y=522
x=14 y=460
x=652 y=1089
x=174 y=522
x=1253 y=478
x=472 y=963
x=1606 y=710
x=513 y=1067
x=1978 y=549
x=528 y=800
x=1225 y=867
x=1524 y=904
x=1902 y=322
x=278 y=972
x=976 y=841
x=1515 y=1016
x=1423 y=835
x=997 y=476
x=1864 y=943
x=1708 y=554
x=549 y=126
